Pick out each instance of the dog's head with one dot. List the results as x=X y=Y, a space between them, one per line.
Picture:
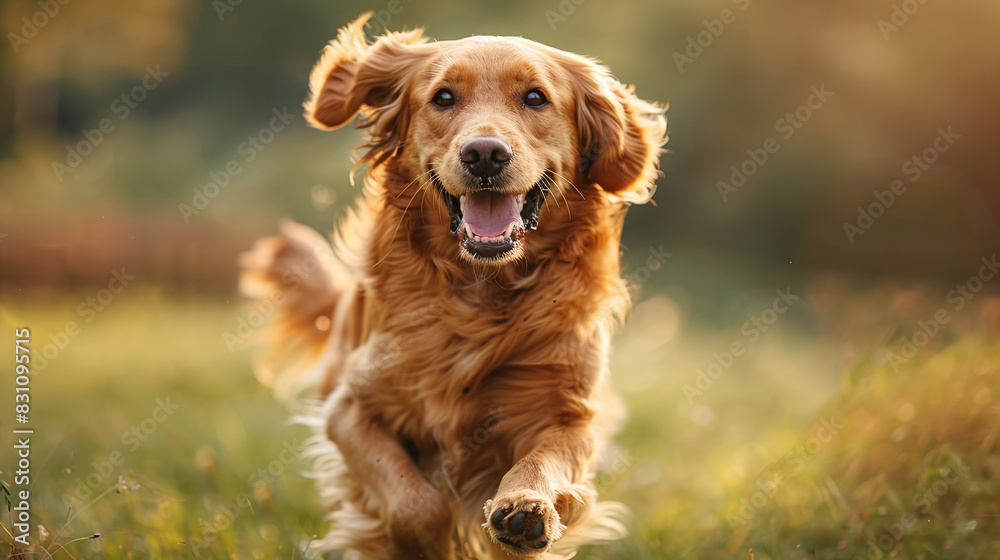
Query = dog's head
x=493 y=124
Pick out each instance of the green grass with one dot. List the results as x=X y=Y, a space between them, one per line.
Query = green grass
x=912 y=448
x=194 y=468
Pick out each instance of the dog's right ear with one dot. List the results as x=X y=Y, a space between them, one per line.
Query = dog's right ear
x=354 y=77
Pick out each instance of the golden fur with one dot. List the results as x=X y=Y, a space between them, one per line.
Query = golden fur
x=452 y=390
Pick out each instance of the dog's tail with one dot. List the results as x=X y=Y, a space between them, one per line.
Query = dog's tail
x=296 y=281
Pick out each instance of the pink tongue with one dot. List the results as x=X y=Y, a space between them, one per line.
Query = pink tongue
x=489 y=214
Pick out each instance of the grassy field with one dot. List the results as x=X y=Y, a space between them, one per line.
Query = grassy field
x=818 y=434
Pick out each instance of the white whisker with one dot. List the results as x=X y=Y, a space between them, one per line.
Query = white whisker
x=570 y=183
x=545 y=199
x=423 y=187
x=400 y=222
x=431 y=170
x=564 y=200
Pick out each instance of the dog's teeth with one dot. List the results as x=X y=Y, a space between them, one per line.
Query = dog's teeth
x=468 y=232
x=510 y=230
x=461 y=203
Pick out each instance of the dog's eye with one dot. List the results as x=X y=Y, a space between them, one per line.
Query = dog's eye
x=443 y=98
x=535 y=98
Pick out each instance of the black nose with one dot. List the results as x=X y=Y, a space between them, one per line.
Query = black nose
x=485 y=157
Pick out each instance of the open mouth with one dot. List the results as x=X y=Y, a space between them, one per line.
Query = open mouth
x=491 y=224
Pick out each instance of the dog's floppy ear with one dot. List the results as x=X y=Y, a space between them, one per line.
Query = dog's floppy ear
x=354 y=77
x=620 y=135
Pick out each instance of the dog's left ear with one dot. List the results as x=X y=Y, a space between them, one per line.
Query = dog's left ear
x=354 y=77
x=620 y=135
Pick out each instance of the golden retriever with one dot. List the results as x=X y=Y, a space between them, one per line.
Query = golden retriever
x=456 y=333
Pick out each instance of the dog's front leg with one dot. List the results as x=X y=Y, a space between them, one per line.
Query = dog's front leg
x=543 y=492
x=416 y=516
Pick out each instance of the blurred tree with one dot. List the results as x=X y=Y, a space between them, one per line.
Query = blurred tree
x=82 y=44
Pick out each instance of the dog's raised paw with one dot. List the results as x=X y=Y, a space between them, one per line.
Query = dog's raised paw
x=523 y=523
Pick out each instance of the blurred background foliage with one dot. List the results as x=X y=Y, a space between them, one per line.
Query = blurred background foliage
x=230 y=64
